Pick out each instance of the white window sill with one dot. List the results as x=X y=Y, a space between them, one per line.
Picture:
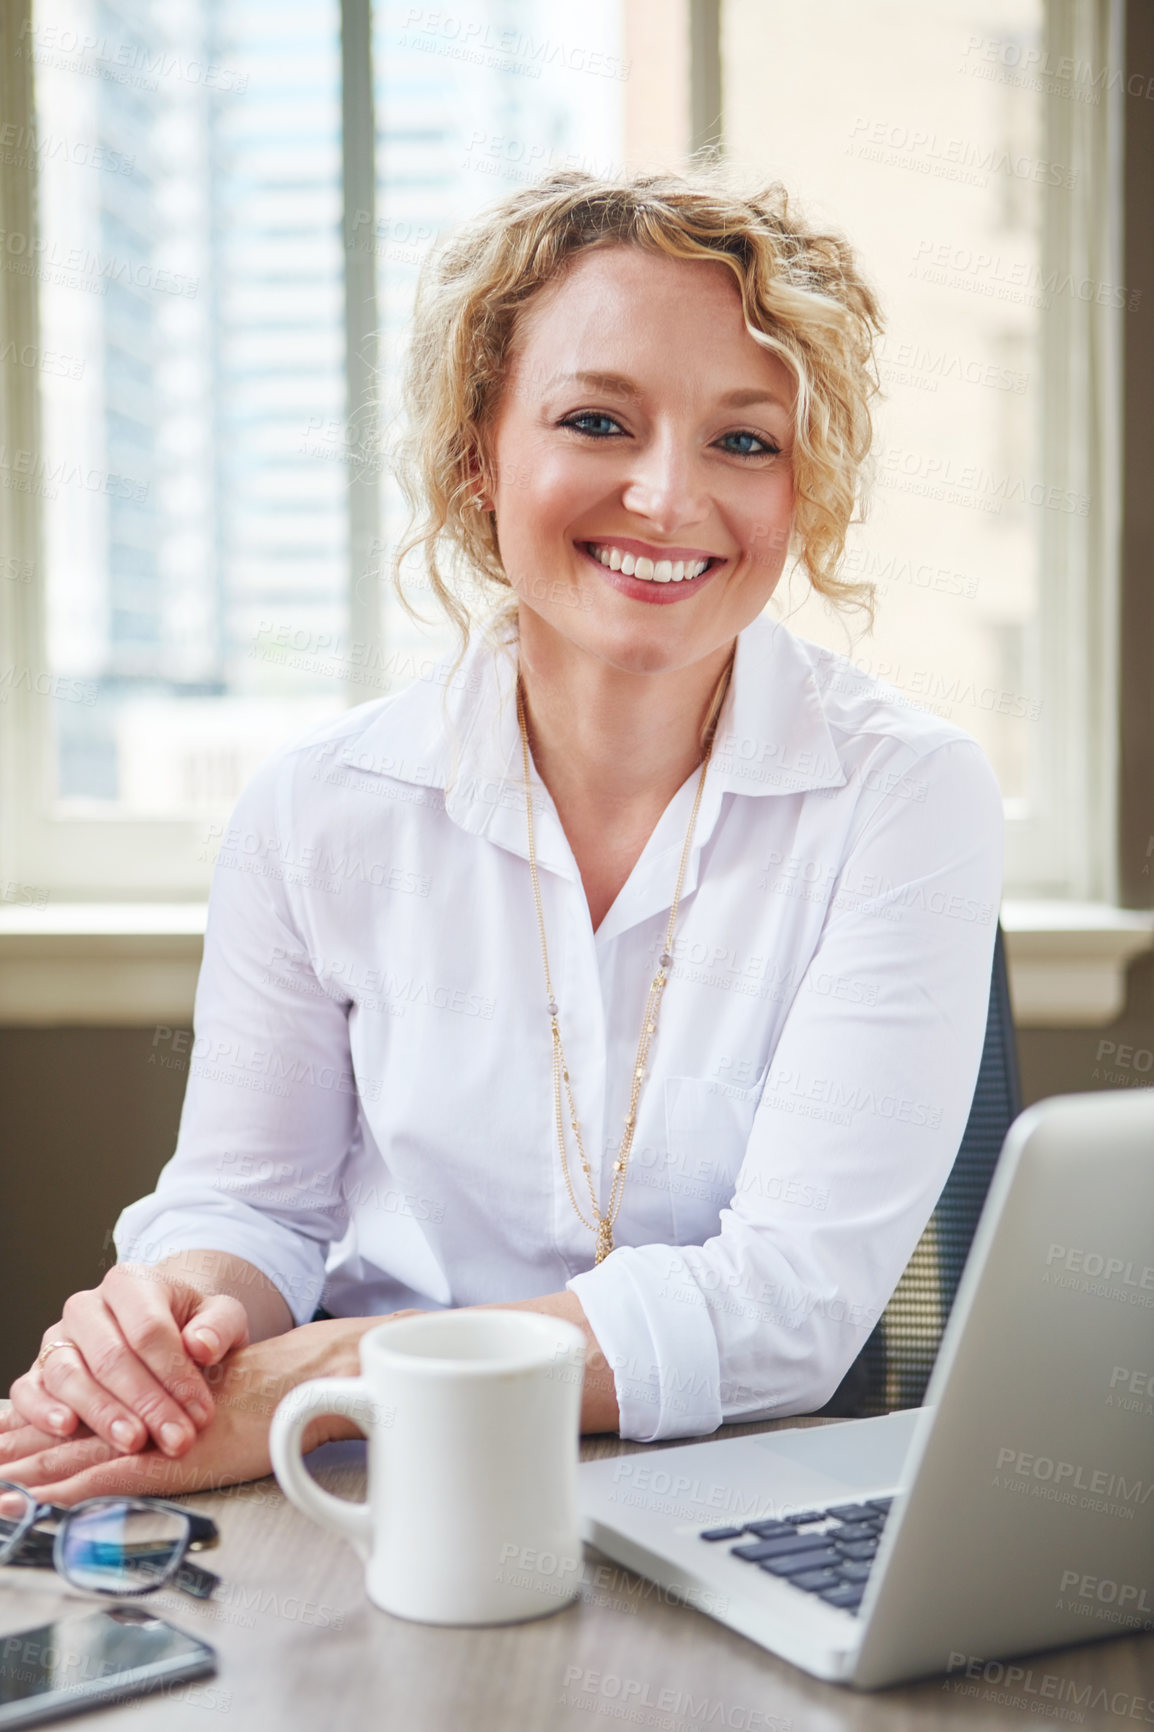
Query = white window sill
x=135 y=964
x=118 y=964
x=1068 y=960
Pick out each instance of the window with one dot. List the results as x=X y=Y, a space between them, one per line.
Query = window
x=202 y=327
x=965 y=158
x=472 y=103
x=190 y=199
x=208 y=524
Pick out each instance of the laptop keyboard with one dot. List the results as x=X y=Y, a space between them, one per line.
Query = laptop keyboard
x=827 y=1552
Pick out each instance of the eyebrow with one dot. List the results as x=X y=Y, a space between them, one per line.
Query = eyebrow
x=624 y=387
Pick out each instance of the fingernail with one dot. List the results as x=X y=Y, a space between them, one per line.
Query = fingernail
x=198 y=1411
x=57 y=1416
x=209 y=1337
x=123 y=1433
x=171 y=1436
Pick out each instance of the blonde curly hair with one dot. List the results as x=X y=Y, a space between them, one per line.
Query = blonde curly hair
x=803 y=297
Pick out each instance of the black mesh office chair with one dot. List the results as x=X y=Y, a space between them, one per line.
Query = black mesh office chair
x=894 y=1366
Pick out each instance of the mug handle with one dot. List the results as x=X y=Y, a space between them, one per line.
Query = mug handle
x=352 y=1398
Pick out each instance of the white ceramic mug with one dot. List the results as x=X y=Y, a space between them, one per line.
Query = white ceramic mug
x=473 y=1420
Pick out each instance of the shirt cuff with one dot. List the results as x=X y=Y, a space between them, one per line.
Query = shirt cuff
x=145 y=1235
x=663 y=1352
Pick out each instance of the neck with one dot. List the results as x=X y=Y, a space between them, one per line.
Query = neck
x=612 y=746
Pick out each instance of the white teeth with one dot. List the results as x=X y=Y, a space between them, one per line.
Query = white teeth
x=663 y=571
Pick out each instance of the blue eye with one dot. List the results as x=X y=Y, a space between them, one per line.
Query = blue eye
x=591 y=415
x=608 y=428
x=768 y=448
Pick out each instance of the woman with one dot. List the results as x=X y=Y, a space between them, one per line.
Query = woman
x=683 y=1049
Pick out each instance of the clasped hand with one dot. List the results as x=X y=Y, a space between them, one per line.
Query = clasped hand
x=127 y=1361
x=159 y=1391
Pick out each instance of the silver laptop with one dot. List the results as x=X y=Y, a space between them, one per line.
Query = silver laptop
x=1013 y=1512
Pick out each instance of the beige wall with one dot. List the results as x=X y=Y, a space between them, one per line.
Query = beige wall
x=86 y=1122
x=657 y=112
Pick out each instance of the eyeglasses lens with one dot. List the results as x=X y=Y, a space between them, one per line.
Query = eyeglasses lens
x=15 y=1504
x=120 y=1548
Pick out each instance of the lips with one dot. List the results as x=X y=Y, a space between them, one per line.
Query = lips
x=651 y=564
x=662 y=590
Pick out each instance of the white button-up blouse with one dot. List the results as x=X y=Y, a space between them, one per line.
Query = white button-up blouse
x=369 y=1115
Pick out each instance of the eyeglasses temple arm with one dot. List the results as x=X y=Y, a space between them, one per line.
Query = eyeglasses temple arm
x=191 y=1579
x=203 y=1532
x=31 y=1556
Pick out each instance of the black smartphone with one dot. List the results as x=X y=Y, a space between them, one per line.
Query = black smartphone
x=79 y=1663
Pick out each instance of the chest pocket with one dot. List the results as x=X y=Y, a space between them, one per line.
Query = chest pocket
x=707 y=1126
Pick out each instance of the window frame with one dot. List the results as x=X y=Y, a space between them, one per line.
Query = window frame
x=1081 y=454
x=69 y=855
x=73 y=858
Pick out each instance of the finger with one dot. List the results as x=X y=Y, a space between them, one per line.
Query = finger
x=112 y=1390
x=146 y=1475
x=149 y=1313
x=113 y=1477
x=33 y=1404
x=20 y=1441
x=18 y=1448
x=47 y=1461
x=101 y=1413
x=219 y=1326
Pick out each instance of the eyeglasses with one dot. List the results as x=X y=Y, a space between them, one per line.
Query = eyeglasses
x=107 y=1545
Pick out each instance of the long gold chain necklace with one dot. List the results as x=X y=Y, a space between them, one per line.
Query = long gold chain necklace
x=601 y=1226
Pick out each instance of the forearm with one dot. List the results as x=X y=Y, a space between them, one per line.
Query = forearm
x=599 y=1410
x=221 y=1272
x=332 y=1349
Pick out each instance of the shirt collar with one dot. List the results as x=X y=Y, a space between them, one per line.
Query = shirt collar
x=773 y=736
x=457 y=730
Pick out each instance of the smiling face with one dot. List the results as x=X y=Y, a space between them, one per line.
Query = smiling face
x=641 y=463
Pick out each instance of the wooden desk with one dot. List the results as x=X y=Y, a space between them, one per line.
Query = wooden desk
x=300 y=1647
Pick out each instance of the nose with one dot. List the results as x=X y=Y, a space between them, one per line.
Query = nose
x=666 y=485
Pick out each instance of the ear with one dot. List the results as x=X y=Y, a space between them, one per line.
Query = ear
x=480 y=489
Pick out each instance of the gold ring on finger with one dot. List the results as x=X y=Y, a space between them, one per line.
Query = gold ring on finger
x=51 y=1348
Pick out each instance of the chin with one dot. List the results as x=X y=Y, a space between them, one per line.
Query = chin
x=638 y=651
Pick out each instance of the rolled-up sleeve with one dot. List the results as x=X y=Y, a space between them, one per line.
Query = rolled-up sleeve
x=863 y=1108
x=270 y=1111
